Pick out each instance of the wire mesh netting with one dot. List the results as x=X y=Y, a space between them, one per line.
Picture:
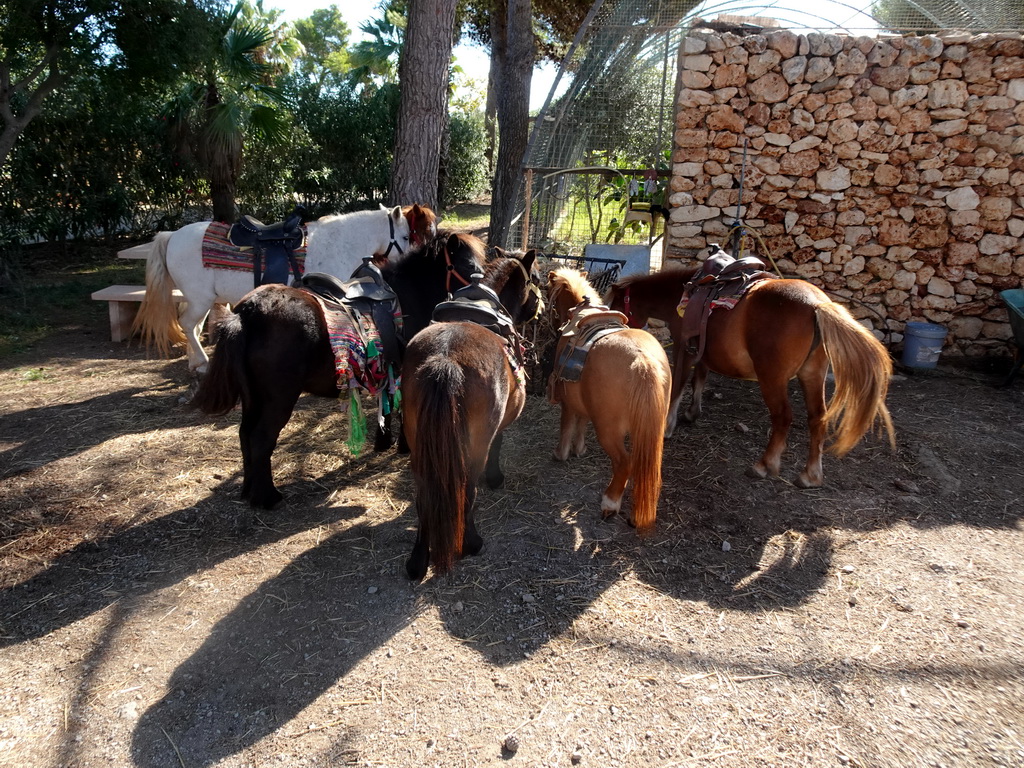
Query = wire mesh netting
x=598 y=165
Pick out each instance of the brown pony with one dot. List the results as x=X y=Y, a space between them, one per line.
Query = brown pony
x=422 y=224
x=460 y=391
x=624 y=389
x=780 y=329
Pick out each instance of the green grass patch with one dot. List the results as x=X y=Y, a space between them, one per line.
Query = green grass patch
x=467 y=217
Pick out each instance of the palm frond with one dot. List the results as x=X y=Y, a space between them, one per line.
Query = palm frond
x=269 y=124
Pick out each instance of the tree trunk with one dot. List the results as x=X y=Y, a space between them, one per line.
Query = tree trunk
x=513 y=119
x=423 y=75
x=499 y=44
x=222 y=194
x=15 y=124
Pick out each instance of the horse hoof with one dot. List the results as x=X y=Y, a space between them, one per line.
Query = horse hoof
x=415 y=570
x=804 y=482
x=472 y=546
x=496 y=481
x=758 y=471
x=382 y=442
x=266 y=501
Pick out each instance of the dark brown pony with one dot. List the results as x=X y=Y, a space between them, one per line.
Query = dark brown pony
x=624 y=390
x=462 y=385
x=779 y=330
x=275 y=346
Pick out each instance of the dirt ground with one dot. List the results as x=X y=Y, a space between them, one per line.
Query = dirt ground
x=877 y=621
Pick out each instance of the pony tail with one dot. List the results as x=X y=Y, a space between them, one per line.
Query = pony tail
x=157 y=319
x=648 y=408
x=221 y=387
x=862 y=370
x=439 y=461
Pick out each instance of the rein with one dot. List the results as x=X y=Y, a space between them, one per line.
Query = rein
x=394 y=243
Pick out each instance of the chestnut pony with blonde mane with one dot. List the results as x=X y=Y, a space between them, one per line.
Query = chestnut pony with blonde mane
x=779 y=330
x=623 y=389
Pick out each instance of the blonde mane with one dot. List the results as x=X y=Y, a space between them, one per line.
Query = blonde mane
x=573 y=281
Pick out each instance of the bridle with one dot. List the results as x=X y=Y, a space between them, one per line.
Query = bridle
x=451 y=271
x=532 y=287
x=394 y=243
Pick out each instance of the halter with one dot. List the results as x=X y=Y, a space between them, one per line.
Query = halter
x=394 y=243
x=451 y=271
x=533 y=288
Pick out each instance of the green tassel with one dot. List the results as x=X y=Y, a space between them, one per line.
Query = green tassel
x=357 y=424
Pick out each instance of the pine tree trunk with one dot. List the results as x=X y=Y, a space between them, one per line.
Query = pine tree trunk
x=513 y=119
x=423 y=75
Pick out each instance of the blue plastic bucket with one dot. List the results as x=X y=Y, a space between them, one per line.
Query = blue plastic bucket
x=922 y=344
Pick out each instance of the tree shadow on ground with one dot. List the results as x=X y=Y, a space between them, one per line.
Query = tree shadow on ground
x=150 y=556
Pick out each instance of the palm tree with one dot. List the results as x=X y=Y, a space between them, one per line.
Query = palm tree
x=235 y=96
x=375 y=60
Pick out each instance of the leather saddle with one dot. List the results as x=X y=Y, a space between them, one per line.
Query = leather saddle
x=721 y=281
x=273 y=246
x=584 y=327
x=366 y=293
x=476 y=303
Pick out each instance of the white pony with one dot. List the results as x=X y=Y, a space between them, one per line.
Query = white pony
x=335 y=244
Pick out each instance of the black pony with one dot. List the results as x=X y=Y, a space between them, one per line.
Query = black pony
x=277 y=345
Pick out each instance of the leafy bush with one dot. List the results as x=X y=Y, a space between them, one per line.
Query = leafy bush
x=467 y=164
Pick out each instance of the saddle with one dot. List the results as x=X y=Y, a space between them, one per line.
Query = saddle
x=476 y=303
x=586 y=325
x=720 y=283
x=367 y=294
x=273 y=246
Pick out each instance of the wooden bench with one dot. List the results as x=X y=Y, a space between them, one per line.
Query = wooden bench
x=123 y=302
x=140 y=251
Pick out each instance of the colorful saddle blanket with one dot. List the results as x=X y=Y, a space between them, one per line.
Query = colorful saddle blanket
x=220 y=253
x=358 y=352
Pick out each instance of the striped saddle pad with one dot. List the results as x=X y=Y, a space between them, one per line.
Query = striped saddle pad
x=220 y=253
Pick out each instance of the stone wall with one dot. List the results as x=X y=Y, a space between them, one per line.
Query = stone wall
x=888 y=170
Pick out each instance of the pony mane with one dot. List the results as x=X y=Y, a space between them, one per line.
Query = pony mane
x=566 y=279
x=499 y=270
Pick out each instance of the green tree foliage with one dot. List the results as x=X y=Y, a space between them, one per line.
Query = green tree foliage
x=233 y=95
x=45 y=44
x=326 y=61
x=375 y=61
x=97 y=159
x=467 y=163
x=95 y=163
